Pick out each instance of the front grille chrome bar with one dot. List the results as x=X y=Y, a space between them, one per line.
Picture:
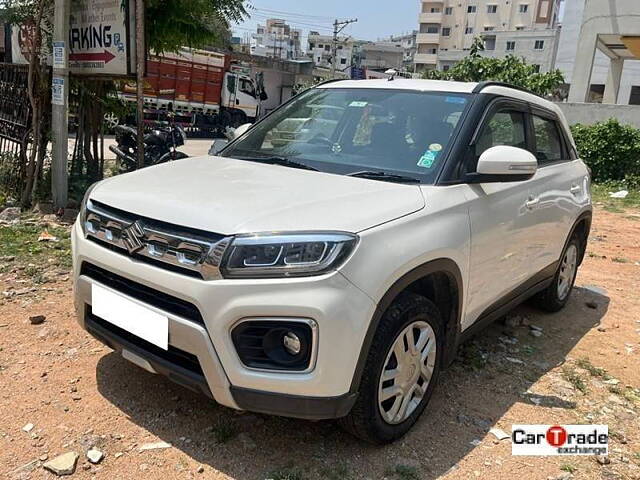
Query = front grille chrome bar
x=142 y=237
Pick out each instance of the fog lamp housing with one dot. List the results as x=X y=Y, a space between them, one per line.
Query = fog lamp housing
x=276 y=344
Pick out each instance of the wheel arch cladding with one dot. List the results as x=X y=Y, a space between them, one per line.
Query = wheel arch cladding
x=438 y=280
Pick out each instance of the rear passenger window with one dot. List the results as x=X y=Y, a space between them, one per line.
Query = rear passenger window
x=504 y=128
x=548 y=143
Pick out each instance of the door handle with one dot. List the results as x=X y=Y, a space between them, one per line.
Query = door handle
x=532 y=202
x=575 y=189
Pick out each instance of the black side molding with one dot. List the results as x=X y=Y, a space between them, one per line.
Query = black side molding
x=296 y=406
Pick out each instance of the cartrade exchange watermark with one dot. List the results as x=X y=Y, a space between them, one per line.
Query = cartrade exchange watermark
x=560 y=440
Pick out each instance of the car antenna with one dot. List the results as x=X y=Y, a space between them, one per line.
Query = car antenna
x=392 y=73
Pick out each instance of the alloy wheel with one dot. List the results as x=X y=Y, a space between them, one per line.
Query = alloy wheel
x=407 y=371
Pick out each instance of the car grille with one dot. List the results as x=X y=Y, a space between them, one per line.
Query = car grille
x=184 y=250
x=151 y=296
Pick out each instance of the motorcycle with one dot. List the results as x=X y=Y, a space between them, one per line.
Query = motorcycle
x=160 y=146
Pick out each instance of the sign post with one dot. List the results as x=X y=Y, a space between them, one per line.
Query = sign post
x=60 y=105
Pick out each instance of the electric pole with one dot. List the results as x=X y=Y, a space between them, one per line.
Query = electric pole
x=140 y=66
x=60 y=104
x=338 y=26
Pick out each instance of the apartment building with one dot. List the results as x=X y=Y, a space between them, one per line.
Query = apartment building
x=319 y=48
x=526 y=28
x=276 y=39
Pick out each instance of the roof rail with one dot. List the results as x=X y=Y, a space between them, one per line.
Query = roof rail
x=490 y=83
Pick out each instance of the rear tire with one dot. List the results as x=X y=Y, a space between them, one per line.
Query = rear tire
x=410 y=369
x=556 y=295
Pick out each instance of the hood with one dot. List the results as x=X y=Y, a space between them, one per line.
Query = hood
x=228 y=196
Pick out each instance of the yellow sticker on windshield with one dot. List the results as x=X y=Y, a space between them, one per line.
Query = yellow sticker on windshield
x=435 y=147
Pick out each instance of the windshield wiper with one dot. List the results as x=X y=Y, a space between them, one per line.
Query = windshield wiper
x=285 y=162
x=384 y=176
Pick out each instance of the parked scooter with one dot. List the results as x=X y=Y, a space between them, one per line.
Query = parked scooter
x=160 y=145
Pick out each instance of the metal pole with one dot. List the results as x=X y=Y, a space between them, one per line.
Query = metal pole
x=60 y=105
x=337 y=28
x=140 y=65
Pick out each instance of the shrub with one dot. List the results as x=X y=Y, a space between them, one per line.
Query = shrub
x=611 y=150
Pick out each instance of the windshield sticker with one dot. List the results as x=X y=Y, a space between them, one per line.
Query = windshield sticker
x=355 y=103
x=460 y=100
x=435 y=147
x=428 y=159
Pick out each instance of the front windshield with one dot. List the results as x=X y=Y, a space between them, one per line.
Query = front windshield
x=342 y=130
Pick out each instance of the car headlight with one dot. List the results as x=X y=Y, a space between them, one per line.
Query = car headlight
x=286 y=255
x=82 y=216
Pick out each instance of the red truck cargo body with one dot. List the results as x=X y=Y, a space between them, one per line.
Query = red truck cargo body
x=189 y=77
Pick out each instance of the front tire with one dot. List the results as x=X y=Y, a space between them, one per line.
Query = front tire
x=401 y=371
x=556 y=295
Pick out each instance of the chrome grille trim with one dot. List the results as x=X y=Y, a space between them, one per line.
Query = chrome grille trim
x=138 y=236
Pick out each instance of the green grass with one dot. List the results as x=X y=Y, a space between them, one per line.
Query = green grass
x=335 y=472
x=594 y=371
x=224 y=430
x=619 y=260
x=571 y=376
x=21 y=241
x=286 y=473
x=567 y=467
x=600 y=193
x=404 y=472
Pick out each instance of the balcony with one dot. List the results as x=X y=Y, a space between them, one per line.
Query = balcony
x=431 y=17
x=432 y=38
x=425 y=58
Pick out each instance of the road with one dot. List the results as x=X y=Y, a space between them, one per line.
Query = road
x=194 y=146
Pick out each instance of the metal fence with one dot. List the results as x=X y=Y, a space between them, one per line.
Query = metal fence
x=15 y=123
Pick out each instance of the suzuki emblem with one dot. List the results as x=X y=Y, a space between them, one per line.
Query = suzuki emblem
x=133 y=237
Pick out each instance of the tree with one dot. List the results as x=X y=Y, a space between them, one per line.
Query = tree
x=510 y=69
x=171 y=24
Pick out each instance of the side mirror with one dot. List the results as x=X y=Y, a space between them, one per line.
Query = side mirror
x=241 y=129
x=217 y=146
x=504 y=163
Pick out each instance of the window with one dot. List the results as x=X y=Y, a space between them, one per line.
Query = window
x=519 y=28
x=448 y=10
x=492 y=8
x=246 y=86
x=539 y=45
x=327 y=48
x=471 y=9
x=343 y=61
x=489 y=29
x=536 y=68
x=432 y=51
x=432 y=29
x=446 y=67
x=320 y=45
x=504 y=128
x=523 y=8
x=339 y=47
x=511 y=45
x=548 y=143
x=435 y=9
x=468 y=30
x=446 y=31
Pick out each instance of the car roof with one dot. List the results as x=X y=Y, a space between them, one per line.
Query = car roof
x=423 y=85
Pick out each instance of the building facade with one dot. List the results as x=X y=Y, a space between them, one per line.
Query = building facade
x=599 y=51
x=320 y=50
x=276 y=39
x=448 y=27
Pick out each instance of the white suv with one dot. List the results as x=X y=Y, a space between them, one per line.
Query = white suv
x=334 y=275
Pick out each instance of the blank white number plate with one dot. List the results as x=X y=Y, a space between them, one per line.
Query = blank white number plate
x=130 y=316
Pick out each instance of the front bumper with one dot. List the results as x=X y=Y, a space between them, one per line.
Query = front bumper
x=341 y=311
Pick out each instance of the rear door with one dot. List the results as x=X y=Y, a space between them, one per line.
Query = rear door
x=558 y=189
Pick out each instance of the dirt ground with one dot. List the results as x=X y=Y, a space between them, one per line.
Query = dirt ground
x=584 y=368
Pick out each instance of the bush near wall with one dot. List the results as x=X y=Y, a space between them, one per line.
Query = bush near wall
x=611 y=150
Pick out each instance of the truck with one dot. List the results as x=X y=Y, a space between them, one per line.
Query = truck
x=206 y=90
